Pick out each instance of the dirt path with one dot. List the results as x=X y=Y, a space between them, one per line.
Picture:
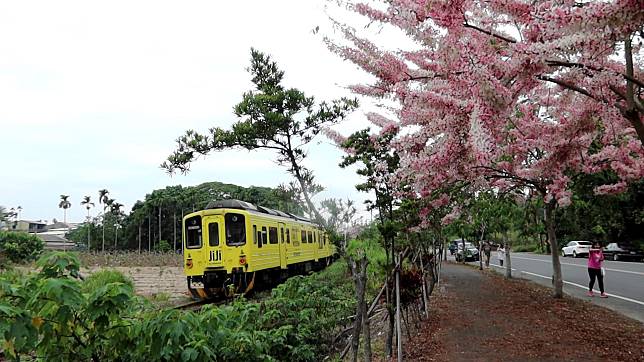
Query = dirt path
x=480 y=316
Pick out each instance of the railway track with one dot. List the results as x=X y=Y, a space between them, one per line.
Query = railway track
x=195 y=305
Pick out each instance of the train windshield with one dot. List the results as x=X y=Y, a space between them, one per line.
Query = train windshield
x=193 y=232
x=235 y=229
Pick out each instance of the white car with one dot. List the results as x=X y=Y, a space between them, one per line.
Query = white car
x=576 y=248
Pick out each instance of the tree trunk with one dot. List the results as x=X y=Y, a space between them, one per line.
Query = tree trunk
x=631 y=112
x=398 y=329
x=139 y=238
x=462 y=256
x=554 y=249
x=181 y=229
x=508 y=262
x=424 y=286
x=174 y=232
x=359 y=273
x=390 y=330
x=159 y=241
x=300 y=179
x=89 y=232
x=366 y=329
x=103 y=248
x=149 y=234
x=481 y=248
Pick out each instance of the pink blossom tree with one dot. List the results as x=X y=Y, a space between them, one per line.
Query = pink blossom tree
x=509 y=95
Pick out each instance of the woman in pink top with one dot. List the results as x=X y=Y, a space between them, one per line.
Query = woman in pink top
x=595 y=259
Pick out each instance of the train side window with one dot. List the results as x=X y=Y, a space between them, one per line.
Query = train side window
x=254 y=234
x=213 y=234
x=303 y=237
x=310 y=237
x=288 y=236
x=272 y=235
x=264 y=235
x=282 y=232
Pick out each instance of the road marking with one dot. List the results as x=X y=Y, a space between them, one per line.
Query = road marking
x=586 y=287
x=499 y=266
x=579 y=265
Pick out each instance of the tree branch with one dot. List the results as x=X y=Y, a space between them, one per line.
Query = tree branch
x=568 y=86
x=561 y=63
x=498 y=36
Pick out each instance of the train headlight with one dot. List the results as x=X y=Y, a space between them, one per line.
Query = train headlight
x=242 y=260
x=189 y=263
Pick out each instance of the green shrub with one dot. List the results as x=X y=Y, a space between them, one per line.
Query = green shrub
x=104 y=277
x=54 y=315
x=163 y=246
x=20 y=247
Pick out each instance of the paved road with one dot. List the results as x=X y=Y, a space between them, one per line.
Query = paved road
x=624 y=281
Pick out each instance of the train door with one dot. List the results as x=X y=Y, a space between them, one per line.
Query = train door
x=214 y=227
x=282 y=245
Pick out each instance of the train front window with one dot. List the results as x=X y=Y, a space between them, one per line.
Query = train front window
x=193 y=232
x=235 y=229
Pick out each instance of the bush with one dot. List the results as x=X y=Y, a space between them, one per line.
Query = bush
x=163 y=246
x=104 y=277
x=54 y=315
x=20 y=247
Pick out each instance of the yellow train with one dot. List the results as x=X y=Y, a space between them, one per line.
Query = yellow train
x=232 y=245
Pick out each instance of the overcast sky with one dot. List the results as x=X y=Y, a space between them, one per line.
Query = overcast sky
x=93 y=94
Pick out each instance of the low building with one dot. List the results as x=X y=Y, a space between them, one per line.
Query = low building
x=55 y=242
x=28 y=226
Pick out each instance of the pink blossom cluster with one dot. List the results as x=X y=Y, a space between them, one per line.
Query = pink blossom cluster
x=507 y=93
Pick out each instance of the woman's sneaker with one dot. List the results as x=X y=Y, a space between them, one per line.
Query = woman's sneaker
x=603 y=295
x=590 y=293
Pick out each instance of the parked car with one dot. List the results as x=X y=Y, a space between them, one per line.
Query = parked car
x=623 y=251
x=576 y=248
x=471 y=252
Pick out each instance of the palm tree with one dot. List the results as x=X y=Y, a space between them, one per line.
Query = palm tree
x=64 y=204
x=115 y=209
x=116 y=227
x=87 y=202
x=107 y=205
x=102 y=199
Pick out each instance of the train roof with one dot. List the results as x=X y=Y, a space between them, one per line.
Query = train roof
x=243 y=205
